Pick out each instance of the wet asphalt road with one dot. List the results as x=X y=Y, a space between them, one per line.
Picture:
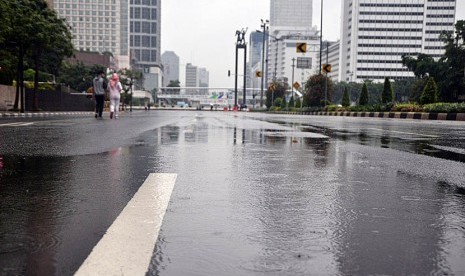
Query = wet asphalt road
x=255 y=194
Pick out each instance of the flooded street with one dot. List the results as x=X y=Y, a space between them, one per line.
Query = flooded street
x=255 y=194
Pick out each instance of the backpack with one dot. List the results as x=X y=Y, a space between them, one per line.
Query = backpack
x=105 y=84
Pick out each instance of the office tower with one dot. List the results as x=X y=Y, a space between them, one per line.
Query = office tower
x=330 y=55
x=375 y=35
x=290 y=25
x=255 y=58
x=196 y=77
x=291 y=13
x=255 y=48
x=170 y=63
x=145 y=27
x=204 y=80
x=98 y=26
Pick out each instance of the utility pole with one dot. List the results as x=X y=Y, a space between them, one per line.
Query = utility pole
x=326 y=79
x=292 y=84
x=321 y=32
x=264 y=27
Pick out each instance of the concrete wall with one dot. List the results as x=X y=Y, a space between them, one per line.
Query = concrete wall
x=48 y=100
x=7 y=97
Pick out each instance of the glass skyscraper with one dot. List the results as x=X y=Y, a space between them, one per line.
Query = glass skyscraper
x=145 y=30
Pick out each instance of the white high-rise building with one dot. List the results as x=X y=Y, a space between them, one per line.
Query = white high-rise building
x=290 y=24
x=170 y=63
x=98 y=26
x=291 y=13
x=375 y=35
x=330 y=55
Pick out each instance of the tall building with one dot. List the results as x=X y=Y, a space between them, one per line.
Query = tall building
x=290 y=25
x=170 y=63
x=330 y=55
x=196 y=77
x=204 y=80
x=255 y=58
x=375 y=35
x=145 y=28
x=255 y=48
x=98 y=26
x=291 y=13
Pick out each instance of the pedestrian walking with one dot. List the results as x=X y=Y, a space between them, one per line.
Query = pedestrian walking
x=99 y=86
x=115 y=89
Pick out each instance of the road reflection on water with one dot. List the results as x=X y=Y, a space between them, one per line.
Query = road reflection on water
x=269 y=200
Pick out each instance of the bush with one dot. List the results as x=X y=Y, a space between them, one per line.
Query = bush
x=334 y=107
x=363 y=100
x=386 y=96
x=430 y=93
x=278 y=102
x=345 y=98
x=445 y=107
x=407 y=107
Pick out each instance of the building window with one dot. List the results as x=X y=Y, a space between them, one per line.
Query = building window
x=154 y=14
x=146 y=27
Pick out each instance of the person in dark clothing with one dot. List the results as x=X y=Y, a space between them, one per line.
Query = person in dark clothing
x=100 y=85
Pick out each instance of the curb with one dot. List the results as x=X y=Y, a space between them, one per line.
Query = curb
x=43 y=114
x=393 y=115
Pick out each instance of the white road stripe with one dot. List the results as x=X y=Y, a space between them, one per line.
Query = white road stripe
x=16 y=124
x=127 y=246
x=408 y=133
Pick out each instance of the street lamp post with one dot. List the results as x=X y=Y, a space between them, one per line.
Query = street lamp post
x=264 y=27
x=292 y=84
x=321 y=32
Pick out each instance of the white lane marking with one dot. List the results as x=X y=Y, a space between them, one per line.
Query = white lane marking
x=127 y=246
x=402 y=132
x=16 y=124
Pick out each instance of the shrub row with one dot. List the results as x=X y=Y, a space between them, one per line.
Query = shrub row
x=399 y=107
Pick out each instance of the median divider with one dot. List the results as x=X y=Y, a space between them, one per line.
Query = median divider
x=392 y=115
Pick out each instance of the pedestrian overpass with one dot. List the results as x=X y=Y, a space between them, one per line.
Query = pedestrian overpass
x=206 y=96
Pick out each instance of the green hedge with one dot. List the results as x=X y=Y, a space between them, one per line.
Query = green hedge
x=445 y=108
x=407 y=107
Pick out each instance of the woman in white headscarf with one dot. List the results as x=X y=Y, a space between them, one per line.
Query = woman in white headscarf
x=115 y=89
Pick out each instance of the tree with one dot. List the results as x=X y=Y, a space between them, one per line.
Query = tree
x=430 y=93
x=345 y=98
x=53 y=36
x=298 y=103
x=291 y=102
x=315 y=89
x=76 y=76
x=276 y=90
x=452 y=82
x=386 y=96
x=283 y=103
x=448 y=70
x=29 y=29
x=174 y=83
x=417 y=89
x=363 y=100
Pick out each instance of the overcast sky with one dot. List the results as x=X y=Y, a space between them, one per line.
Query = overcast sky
x=202 y=32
